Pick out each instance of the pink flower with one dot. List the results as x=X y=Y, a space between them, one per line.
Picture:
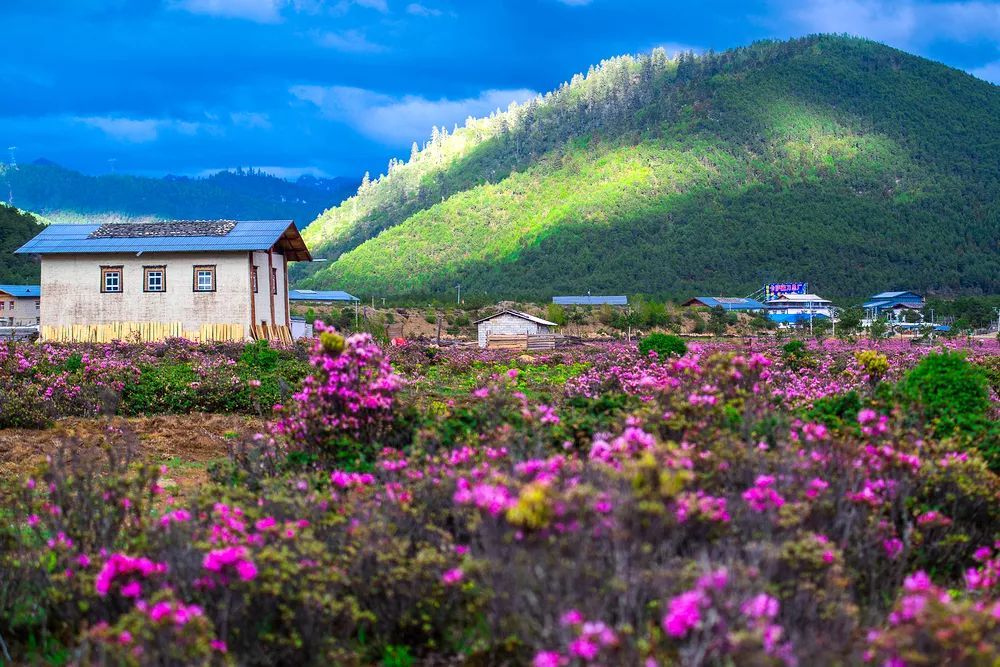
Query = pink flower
x=125 y=637
x=893 y=547
x=513 y=373
x=571 y=617
x=132 y=589
x=218 y=645
x=547 y=659
x=683 y=613
x=761 y=605
x=867 y=415
x=452 y=576
x=584 y=648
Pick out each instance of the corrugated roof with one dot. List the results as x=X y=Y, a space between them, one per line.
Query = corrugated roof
x=518 y=313
x=319 y=295
x=896 y=295
x=589 y=300
x=245 y=235
x=726 y=302
x=22 y=291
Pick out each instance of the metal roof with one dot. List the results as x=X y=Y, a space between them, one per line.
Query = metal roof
x=243 y=235
x=517 y=313
x=896 y=295
x=319 y=295
x=23 y=291
x=726 y=302
x=589 y=300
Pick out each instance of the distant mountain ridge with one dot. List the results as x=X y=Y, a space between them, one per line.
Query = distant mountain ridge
x=64 y=195
x=831 y=159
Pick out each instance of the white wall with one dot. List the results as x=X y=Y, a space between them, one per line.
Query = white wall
x=264 y=297
x=71 y=290
x=507 y=324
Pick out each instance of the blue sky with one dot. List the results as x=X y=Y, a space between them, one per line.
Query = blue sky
x=337 y=87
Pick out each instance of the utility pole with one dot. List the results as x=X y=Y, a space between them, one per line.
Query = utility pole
x=459 y=300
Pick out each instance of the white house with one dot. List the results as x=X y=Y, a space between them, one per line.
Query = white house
x=200 y=279
x=20 y=305
x=512 y=322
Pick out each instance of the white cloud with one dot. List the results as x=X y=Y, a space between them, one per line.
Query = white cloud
x=902 y=23
x=250 y=119
x=418 y=9
x=673 y=48
x=988 y=72
x=137 y=130
x=401 y=119
x=348 y=41
x=261 y=11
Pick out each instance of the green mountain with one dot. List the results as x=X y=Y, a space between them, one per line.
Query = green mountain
x=836 y=160
x=16 y=227
x=64 y=195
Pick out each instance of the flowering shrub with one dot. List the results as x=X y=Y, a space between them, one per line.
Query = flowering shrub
x=721 y=507
x=45 y=382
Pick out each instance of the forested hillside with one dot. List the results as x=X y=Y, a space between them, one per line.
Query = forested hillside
x=836 y=160
x=16 y=227
x=64 y=195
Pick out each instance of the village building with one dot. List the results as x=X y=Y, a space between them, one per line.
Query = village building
x=321 y=296
x=797 y=309
x=202 y=280
x=20 y=305
x=588 y=300
x=512 y=323
x=903 y=308
x=726 y=303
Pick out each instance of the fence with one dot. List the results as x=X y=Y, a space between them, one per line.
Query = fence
x=143 y=332
x=525 y=341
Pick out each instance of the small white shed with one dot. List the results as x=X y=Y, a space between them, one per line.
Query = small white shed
x=512 y=322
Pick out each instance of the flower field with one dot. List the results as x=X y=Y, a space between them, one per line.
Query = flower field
x=831 y=503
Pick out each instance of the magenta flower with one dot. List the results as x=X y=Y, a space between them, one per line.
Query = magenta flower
x=683 y=613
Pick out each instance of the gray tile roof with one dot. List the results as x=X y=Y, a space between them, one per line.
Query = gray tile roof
x=163 y=229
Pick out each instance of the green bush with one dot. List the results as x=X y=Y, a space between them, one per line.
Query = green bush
x=663 y=344
x=259 y=356
x=950 y=392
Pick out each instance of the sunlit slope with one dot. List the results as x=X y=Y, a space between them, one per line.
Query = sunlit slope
x=835 y=160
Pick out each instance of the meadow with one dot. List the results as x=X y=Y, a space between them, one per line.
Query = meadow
x=719 y=503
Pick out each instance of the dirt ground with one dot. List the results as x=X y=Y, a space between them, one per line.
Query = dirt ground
x=185 y=444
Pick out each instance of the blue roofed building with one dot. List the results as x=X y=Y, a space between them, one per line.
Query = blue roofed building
x=900 y=307
x=321 y=296
x=19 y=305
x=726 y=303
x=588 y=300
x=198 y=279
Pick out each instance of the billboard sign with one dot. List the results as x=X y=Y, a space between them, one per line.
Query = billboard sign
x=774 y=290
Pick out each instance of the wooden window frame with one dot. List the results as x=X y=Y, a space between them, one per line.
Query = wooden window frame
x=146 y=270
x=254 y=280
x=274 y=281
x=194 y=277
x=120 y=270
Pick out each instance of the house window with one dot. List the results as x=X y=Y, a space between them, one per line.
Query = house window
x=204 y=278
x=253 y=279
x=154 y=278
x=111 y=279
x=274 y=281
x=12 y=305
x=38 y=305
x=1 y=305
